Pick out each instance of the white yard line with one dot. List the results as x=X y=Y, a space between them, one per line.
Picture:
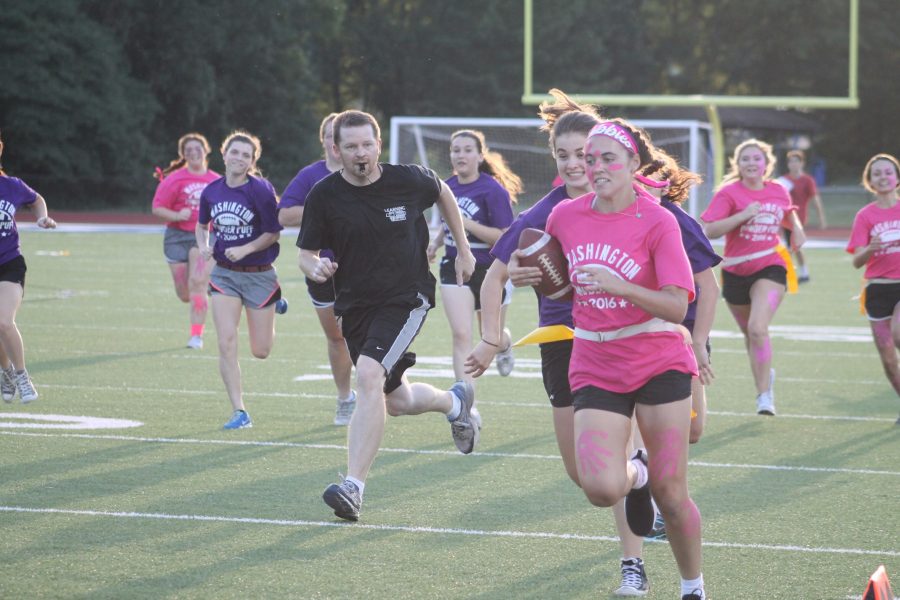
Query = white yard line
x=430 y=530
x=343 y=448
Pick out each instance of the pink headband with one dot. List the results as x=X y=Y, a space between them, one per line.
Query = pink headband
x=616 y=132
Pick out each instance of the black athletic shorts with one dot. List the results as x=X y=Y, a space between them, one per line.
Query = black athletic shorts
x=384 y=333
x=736 y=288
x=14 y=270
x=667 y=387
x=555 y=357
x=448 y=277
x=881 y=299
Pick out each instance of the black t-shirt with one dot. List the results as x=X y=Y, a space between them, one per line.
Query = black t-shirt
x=378 y=233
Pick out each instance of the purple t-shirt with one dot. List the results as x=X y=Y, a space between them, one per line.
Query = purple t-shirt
x=239 y=216
x=699 y=251
x=298 y=189
x=484 y=201
x=550 y=312
x=14 y=193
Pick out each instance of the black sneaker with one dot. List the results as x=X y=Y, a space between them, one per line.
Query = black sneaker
x=695 y=595
x=640 y=509
x=344 y=498
x=659 y=529
x=634 y=579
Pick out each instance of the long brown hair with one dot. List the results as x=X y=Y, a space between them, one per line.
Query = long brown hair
x=179 y=162
x=867 y=172
x=493 y=164
x=239 y=135
x=664 y=167
x=565 y=115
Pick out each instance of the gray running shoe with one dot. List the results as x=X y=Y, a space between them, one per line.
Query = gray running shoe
x=465 y=431
x=505 y=359
x=345 y=499
x=27 y=393
x=634 y=579
x=8 y=383
x=195 y=343
x=344 y=410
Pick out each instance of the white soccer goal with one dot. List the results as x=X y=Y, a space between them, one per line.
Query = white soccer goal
x=426 y=141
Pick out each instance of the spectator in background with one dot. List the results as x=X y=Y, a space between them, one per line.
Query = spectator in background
x=802 y=188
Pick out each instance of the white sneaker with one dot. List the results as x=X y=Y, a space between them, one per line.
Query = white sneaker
x=345 y=409
x=196 y=342
x=476 y=417
x=8 y=383
x=765 y=404
x=27 y=393
x=505 y=359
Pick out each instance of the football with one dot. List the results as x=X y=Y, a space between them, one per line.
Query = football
x=540 y=249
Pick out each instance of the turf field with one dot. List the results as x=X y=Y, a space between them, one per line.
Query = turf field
x=800 y=506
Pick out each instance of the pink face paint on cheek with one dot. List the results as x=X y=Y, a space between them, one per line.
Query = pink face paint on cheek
x=892 y=180
x=666 y=461
x=590 y=452
x=774 y=299
x=615 y=167
x=763 y=353
x=690 y=519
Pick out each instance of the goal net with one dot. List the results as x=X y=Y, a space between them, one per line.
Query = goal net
x=426 y=141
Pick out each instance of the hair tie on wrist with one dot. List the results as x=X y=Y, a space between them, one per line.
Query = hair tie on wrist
x=489 y=343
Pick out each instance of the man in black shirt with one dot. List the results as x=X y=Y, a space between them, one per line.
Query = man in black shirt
x=371 y=215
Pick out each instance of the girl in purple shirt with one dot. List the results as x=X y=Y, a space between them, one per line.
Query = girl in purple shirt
x=485 y=189
x=290 y=214
x=15 y=194
x=242 y=209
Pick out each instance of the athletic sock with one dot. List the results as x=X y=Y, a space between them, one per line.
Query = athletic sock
x=455 y=409
x=640 y=479
x=197 y=329
x=689 y=586
x=359 y=484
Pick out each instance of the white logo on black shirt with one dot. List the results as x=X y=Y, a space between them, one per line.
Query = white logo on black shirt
x=395 y=214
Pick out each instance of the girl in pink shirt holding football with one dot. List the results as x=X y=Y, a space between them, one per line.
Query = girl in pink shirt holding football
x=875 y=243
x=748 y=209
x=632 y=282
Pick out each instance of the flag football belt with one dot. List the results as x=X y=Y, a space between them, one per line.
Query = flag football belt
x=791 y=274
x=654 y=325
x=738 y=260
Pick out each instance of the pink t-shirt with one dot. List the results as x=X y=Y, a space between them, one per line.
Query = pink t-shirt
x=646 y=251
x=180 y=189
x=759 y=233
x=872 y=220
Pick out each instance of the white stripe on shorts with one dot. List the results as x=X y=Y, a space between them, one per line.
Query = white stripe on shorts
x=406 y=336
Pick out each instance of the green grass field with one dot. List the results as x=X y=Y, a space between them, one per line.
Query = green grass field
x=801 y=506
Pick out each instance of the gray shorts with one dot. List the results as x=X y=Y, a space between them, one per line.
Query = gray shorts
x=177 y=244
x=257 y=290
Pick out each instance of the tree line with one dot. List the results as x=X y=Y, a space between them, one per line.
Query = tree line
x=95 y=93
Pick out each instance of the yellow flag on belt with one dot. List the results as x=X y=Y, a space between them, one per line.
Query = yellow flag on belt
x=549 y=333
x=785 y=255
